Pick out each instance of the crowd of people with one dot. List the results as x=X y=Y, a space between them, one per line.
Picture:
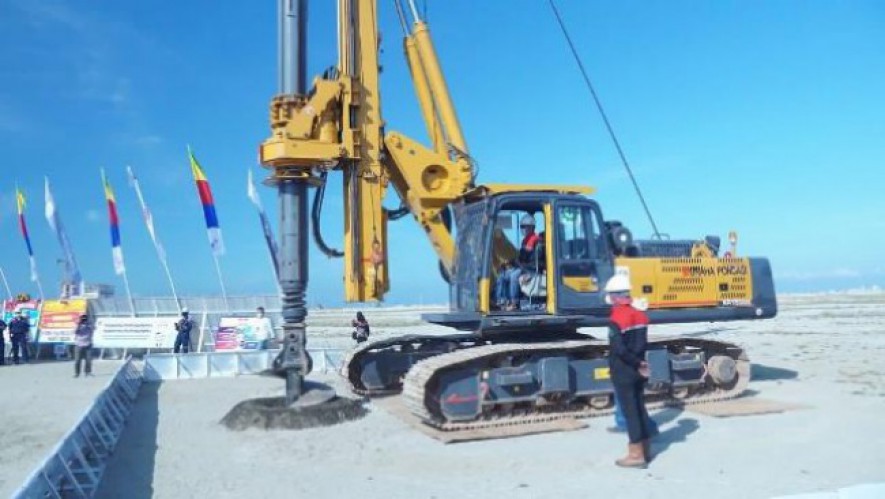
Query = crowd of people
x=19 y=329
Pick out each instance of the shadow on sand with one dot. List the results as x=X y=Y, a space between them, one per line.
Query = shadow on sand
x=677 y=433
x=130 y=473
x=760 y=372
x=666 y=415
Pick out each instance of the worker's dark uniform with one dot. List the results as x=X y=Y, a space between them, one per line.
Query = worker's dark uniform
x=2 y=343
x=183 y=338
x=18 y=333
x=628 y=335
x=361 y=331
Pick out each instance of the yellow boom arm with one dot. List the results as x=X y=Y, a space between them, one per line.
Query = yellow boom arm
x=338 y=126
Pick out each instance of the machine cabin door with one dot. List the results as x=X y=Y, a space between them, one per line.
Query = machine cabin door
x=582 y=260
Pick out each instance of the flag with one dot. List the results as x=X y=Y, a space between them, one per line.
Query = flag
x=21 y=203
x=52 y=216
x=116 y=248
x=146 y=213
x=265 y=225
x=205 y=193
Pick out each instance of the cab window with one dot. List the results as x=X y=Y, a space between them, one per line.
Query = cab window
x=578 y=234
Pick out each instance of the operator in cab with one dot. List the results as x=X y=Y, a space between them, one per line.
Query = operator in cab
x=628 y=339
x=507 y=285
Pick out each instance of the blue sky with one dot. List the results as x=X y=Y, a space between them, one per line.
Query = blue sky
x=764 y=117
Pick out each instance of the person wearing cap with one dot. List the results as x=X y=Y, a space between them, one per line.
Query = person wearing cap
x=628 y=338
x=83 y=345
x=507 y=285
x=19 y=327
x=184 y=327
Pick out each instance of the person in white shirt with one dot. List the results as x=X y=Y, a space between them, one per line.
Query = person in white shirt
x=83 y=345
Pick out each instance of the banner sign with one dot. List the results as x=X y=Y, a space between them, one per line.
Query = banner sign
x=242 y=333
x=30 y=309
x=135 y=332
x=59 y=320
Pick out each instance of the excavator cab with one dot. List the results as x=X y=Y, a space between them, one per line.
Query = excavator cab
x=560 y=277
x=561 y=281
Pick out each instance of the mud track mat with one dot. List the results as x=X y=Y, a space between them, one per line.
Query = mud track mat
x=394 y=406
x=744 y=406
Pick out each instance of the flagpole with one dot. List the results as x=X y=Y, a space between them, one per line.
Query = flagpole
x=265 y=226
x=171 y=283
x=6 y=283
x=213 y=229
x=116 y=243
x=128 y=293
x=221 y=281
x=20 y=203
x=148 y=220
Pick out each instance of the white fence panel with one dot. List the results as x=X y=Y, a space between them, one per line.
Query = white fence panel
x=169 y=366
x=75 y=466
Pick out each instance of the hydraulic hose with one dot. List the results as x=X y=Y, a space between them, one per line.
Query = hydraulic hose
x=398 y=213
x=315 y=213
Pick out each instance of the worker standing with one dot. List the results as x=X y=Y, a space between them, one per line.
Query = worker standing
x=19 y=327
x=83 y=345
x=184 y=327
x=628 y=332
x=621 y=422
x=264 y=324
x=361 y=328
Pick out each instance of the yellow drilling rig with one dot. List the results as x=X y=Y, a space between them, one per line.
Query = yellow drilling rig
x=506 y=362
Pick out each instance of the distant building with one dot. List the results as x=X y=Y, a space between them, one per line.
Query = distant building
x=88 y=291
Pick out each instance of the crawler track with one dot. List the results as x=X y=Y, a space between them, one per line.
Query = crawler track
x=421 y=396
x=415 y=346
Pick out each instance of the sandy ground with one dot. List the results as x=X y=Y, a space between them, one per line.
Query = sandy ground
x=41 y=402
x=823 y=351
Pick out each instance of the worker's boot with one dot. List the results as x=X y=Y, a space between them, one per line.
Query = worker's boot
x=635 y=457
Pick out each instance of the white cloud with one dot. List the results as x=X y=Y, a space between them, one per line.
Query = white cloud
x=91 y=57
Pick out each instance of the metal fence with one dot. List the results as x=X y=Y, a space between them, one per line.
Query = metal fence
x=165 y=366
x=75 y=466
x=166 y=306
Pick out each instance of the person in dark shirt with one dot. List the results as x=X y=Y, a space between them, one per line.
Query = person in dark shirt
x=184 y=327
x=507 y=285
x=19 y=327
x=628 y=337
x=361 y=328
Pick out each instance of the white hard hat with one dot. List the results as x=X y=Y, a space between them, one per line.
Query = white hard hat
x=184 y=310
x=527 y=220
x=618 y=284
